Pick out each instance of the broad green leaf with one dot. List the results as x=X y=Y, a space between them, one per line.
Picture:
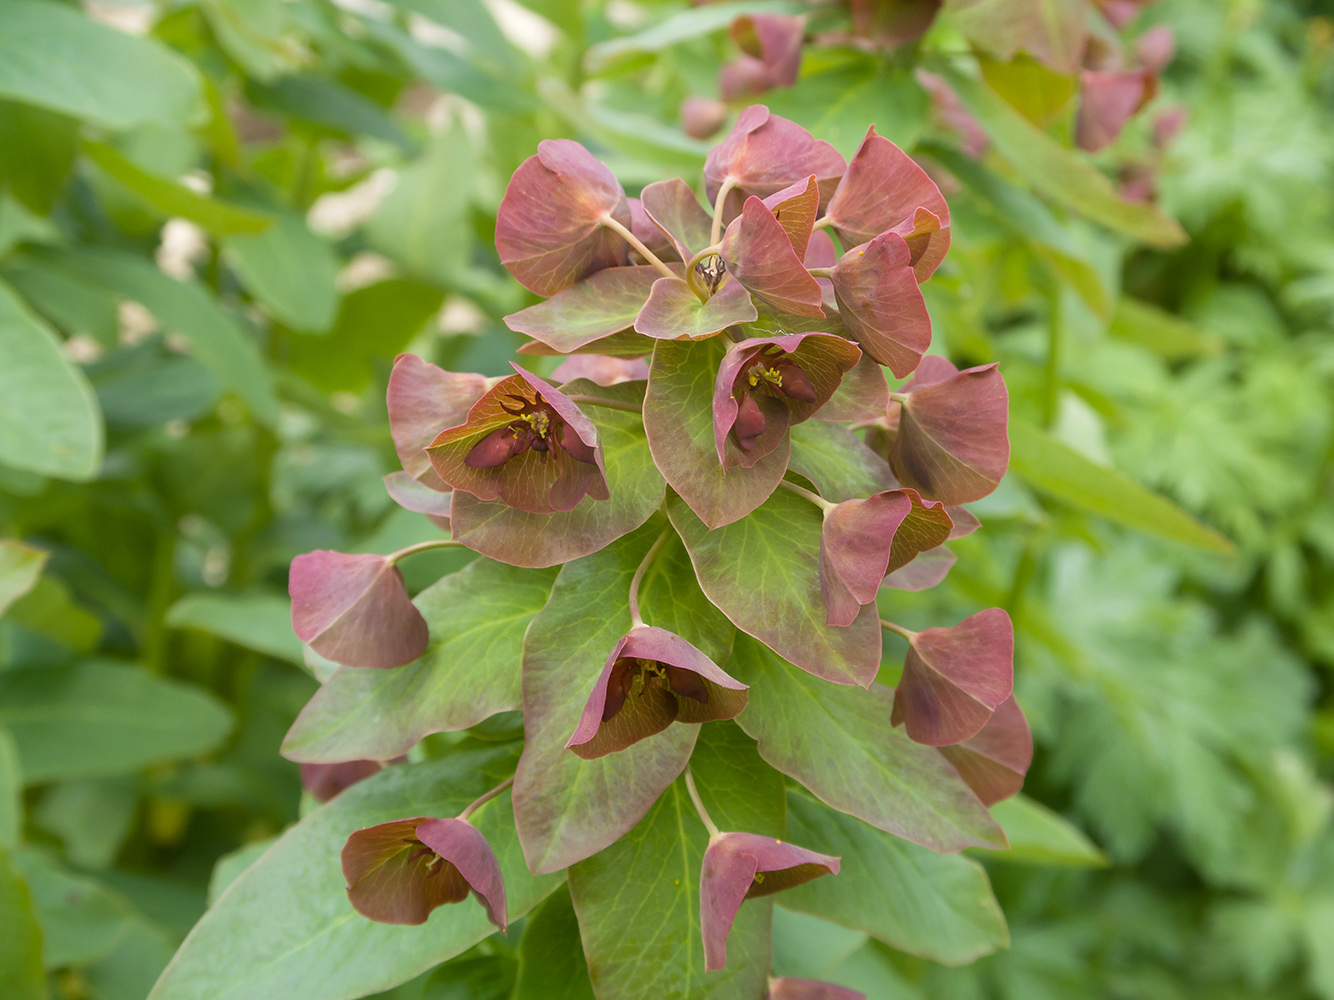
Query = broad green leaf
x=156 y=390
x=103 y=718
x=741 y=792
x=11 y=792
x=567 y=808
x=472 y=20
x=939 y=906
x=1029 y=219
x=21 y=976
x=678 y=419
x=636 y=488
x=471 y=671
x=807 y=947
x=1058 y=173
x=763 y=573
x=72 y=305
x=837 y=462
x=838 y=104
x=373 y=325
x=1318 y=930
x=182 y=307
x=290 y=270
x=49 y=611
x=424 y=222
x=49 y=422
x=54 y=56
x=681 y=27
x=82 y=920
x=1156 y=330
x=20 y=566
x=92 y=816
x=1039 y=836
x=638 y=906
x=551 y=955
x=230 y=867
x=37 y=150
x=284 y=928
x=173 y=199
x=1059 y=470
x=838 y=741
x=326 y=102
x=129 y=972
x=258 y=621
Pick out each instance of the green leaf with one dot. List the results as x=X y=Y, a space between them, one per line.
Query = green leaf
x=290 y=270
x=838 y=104
x=1059 y=470
x=1054 y=171
x=154 y=390
x=839 y=742
x=326 y=102
x=807 y=947
x=258 y=621
x=374 y=323
x=938 y=906
x=73 y=306
x=21 y=976
x=49 y=422
x=11 y=792
x=1029 y=219
x=568 y=808
x=93 y=816
x=49 y=611
x=20 y=566
x=638 y=906
x=670 y=598
x=82 y=920
x=763 y=573
x=681 y=27
x=103 y=718
x=1168 y=336
x=740 y=791
x=551 y=955
x=837 y=462
x=37 y=150
x=54 y=56
x=424 y=223
x=284 y=928
x=183 y=307
x=172 y=199
x=1039 y=836
x=471 y=671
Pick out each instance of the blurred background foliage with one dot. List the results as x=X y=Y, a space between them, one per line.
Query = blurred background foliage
x=221 y=219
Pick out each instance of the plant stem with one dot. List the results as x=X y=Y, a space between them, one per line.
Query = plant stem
x=649 y=556
x=485 y=797
x=898 y=397
x=412 y=550
x=820 y=272
x=610 y=404
x=639 y=247
x=709 y=251
x=716 y=230
x=699 y=806
x=814 y=498
x=823 y=222
x=906 y=633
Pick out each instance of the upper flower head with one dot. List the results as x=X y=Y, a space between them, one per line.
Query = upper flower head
x=525 y=443
x=765 y=153
x=772 y=47
x=652 y=678
x=549 y=230
x=741 y=866
x=767 y=384
x=398 y=872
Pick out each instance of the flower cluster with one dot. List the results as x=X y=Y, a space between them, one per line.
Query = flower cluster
x=698 y=342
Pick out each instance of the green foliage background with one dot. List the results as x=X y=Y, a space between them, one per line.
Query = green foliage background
x=221 y=219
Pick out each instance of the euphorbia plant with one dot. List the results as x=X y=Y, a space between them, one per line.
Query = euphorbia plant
x=762 y=479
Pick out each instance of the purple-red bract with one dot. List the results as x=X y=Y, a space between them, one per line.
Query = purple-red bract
x=354 y=609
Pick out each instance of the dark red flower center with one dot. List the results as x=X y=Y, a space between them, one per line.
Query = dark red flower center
x=631 y=676
x=770 y=372
x=537 y=426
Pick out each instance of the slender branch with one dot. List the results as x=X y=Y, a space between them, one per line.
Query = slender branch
x=823 y=222
x=899 y=629
x=609 y=404
x=716 y=230
x=814 y=498
x=820 y=272
x=485 y=797
x=649 y=556
x=635 y=242
x=699 y=806
x=709 y=251
x=412 y=550
x=898 y=397
x=861 y=425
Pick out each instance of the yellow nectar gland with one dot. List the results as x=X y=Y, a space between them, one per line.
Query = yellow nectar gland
x=771 y=375
x=539 y=422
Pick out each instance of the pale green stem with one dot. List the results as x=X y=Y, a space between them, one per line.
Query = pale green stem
x=814 y=498
x=412 y=550
x=485 y=797
x=823 y=222
x=820 y=272
x=716 y=230
x=699 y=806
x=649 y=556
x=635 y=242
x=899 y=629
